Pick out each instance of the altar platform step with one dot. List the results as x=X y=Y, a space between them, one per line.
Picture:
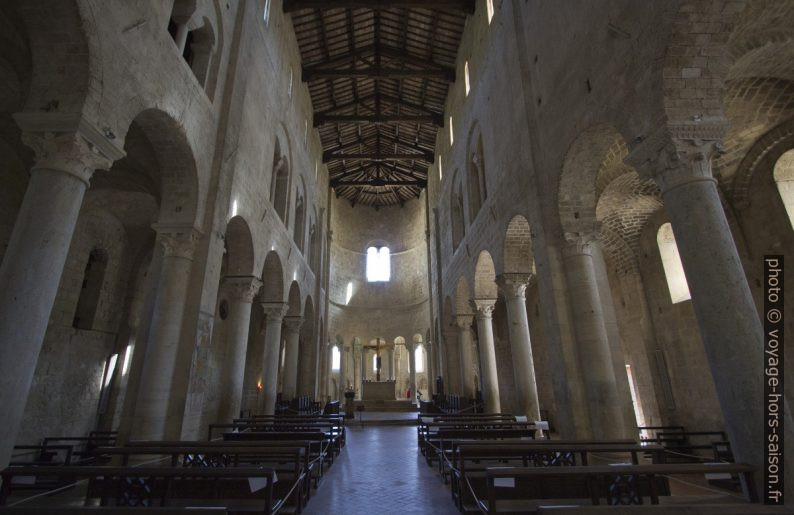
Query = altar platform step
x=382 y=418
x=402 y=406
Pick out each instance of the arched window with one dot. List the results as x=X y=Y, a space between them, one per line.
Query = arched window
x=336 y=358
x=378 y=264
x=279 y=184
x=91 y=289
x=489 y=9
x=374 y=362
x=466 y=79
x=419 y=358
x=784 y=178
x=266 y=14
x=300 y=215
x=456 y=212
x=671 y=261
x=476 y=176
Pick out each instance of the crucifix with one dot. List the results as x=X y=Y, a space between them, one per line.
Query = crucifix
x=377 y=357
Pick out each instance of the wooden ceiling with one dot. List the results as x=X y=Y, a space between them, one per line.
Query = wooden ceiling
x=378 y=72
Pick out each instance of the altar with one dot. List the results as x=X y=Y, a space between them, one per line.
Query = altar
x=378 y=391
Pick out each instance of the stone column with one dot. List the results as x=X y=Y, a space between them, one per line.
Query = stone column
x=606 y=412
x=390 y=362
x=274 y=311
x=241 y=293
x=343 y=352
x=152 y=420
x=490 y=382
x=430 y=369
x=452 y=384
x=31 y=270
x=466 y=363
x=514 y=288
x=729 y=323
x=357 y=369
x=411 y=347
x=292 y=326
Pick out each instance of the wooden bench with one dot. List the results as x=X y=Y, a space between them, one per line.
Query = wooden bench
x=683 y=447
x=290 y=461
x=332 y=431
x=470 y=460
x=313 y=457
x=695 y=509
x=523 y=489
x=321 y=446
x=438 y=442
x=102 y=510
x=165 y=486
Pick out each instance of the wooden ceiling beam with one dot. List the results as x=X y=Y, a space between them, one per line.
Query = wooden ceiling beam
x=374 y=156
x=375 y=73
x=379 y=183
x=466 y=6
x=362 y=118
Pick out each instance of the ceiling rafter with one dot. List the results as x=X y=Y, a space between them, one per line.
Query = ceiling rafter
x=466 y=6
x=378 y=73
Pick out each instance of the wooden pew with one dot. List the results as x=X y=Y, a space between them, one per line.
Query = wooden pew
x=290 y=461
x=322 y=446
x=164 y=486
x=312 y=457
x=471 y=459
x=695 y=509
x=523 y=489
x=102 y=510
x=438 y=443
x=682 y=445
x=332 y=430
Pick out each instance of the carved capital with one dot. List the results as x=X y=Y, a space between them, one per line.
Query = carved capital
x=577 y=244
x=483 y=307
x=177 y=241
x=242 y=288
x=67 y=142
x=463 y=322
x=67 y=153
x=679 y=154
x=293 y=323
x=513 y=286
x=275 y=311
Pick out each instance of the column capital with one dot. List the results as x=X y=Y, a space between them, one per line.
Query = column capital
x=177 y=240
x=275 y=310
x=68 y=142
x=679 y=154
x=483 y=307
x=242 y=288
x=293 y=323
x=513 y=285
x=464 y=321
x=577 y=243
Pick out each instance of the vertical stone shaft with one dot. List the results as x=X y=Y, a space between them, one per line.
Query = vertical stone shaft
x=466 y=371
x=514 y=287
x=412 y=369
x=160 y=366
x=33 y=264
x=241 y=291
x=490 y=381
x=274 y=311
x=729 y=323
x=606 y=413
x=292 y=325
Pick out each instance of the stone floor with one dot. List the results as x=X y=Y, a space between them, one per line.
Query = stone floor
x=381 y=471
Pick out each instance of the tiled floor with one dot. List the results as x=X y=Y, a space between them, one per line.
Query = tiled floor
x=381 y=471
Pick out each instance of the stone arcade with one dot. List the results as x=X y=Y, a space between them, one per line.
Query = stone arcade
x=214 y=209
